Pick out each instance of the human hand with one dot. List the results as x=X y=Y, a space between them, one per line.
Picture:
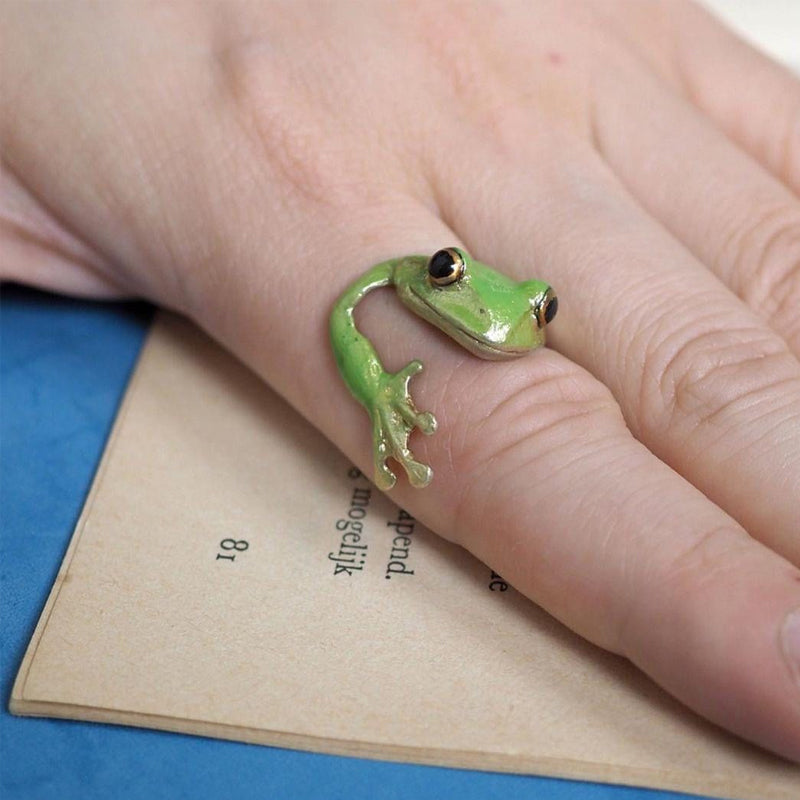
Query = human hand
x=639 y=478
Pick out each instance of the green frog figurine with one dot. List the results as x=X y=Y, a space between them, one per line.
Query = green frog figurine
x=483 y=310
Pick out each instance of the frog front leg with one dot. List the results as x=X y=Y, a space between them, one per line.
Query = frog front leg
x=394 y=416
x=385 y=395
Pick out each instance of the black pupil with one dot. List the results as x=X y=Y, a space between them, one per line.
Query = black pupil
x=442 y=265
x=550 y=310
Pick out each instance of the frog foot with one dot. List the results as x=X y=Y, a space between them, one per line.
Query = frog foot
x=394 y=417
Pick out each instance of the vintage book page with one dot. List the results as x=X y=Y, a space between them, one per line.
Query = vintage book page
x=232 y=575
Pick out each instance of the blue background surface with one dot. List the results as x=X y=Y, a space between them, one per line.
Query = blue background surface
x=64 y=365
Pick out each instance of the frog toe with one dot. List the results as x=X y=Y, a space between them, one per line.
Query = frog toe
x=426 y=422
x=419 y=475
x=409 y=370
x=398 y=382
x=385 y=479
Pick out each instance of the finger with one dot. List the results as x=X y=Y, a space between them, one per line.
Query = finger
x=702 y=381
x=624 y=559
x=734 y=215
x=752 y=98
x=636 y=560
x=37 y=250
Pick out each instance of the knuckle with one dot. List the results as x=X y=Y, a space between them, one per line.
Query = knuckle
x=503 y=122
x=546 y=421
x=446 y=33
x=684 y=582
x=714 y=551
x=788 y=158
x=482 y=85
x=696 y=377
x=537 y=416
x=767 y=260
x=786 y=314
x=287 y=128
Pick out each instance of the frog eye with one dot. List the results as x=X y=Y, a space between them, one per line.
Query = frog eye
x=446 y=266
x=547 y=309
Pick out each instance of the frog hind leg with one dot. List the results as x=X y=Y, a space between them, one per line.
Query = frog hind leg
x=394 y=418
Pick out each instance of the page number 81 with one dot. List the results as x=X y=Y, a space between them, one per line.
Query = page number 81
x=231 y=545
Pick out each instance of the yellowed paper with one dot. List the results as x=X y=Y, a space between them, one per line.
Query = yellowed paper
x=232 y=575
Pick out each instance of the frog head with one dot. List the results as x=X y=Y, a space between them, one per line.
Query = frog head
x=482 y=309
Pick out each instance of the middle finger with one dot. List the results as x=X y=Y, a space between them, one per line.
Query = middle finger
x=706 y=384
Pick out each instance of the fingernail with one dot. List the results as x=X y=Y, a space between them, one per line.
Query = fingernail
x=790 y=640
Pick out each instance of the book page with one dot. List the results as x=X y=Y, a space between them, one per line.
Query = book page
x=233 y=575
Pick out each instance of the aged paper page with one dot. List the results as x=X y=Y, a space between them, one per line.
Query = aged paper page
x=232 y=575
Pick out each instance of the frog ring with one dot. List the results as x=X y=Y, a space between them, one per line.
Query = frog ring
x=483 y=310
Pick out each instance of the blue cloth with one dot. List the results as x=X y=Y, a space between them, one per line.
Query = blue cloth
x=64 y=365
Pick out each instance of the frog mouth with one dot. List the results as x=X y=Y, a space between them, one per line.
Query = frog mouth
x=502 y=352
x=477 y=345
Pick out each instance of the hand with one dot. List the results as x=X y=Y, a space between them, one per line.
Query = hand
x=639 y=478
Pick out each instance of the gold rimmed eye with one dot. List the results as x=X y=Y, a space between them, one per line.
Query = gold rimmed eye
x=547 y=308
x=446 y=266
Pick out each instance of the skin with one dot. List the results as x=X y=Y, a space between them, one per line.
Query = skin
x=243 y=163
x=487 y=313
